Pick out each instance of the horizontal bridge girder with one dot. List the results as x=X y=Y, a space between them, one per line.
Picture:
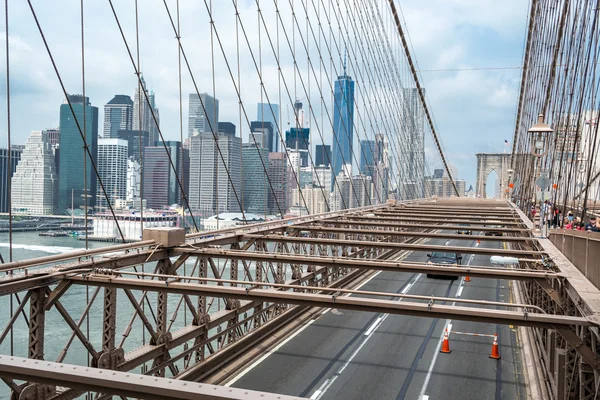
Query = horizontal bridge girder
x=445 y=209
x=398 y=246
x=430 y=215
x=441 y=225
x=434 y=310
x=316 y=228
x=121 y=383
x=451 y=220
x=474 y=271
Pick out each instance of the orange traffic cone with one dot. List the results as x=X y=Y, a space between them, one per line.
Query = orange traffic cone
x=467 y=279
x=478 y=241
x=495 y=354
x=445 y=343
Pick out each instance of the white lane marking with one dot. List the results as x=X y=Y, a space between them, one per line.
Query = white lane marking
x=449 y=328
x=325 y=311
x=459 y=291
x=422 y=395
x=280 y=345
x=327 y=384
x=447 y=242
x=373 y=326
x=411 y=284
x=367 y=281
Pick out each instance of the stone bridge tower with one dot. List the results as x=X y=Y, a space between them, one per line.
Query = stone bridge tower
x=488 y=162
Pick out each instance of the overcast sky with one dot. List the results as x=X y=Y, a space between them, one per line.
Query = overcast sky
x=474 y=110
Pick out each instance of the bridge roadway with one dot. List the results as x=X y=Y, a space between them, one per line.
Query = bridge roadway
x=357 y=355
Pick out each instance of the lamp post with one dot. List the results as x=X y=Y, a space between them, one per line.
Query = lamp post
x=540 y=133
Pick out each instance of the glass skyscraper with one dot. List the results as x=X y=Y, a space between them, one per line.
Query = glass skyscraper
x=367 y=157
x=71 y=177
x=118 y=115
x=269 y=113
x=343 y=122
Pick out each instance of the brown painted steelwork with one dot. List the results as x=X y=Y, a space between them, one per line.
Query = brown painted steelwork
x=207 y=300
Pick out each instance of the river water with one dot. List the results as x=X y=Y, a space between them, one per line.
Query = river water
x=29 y=245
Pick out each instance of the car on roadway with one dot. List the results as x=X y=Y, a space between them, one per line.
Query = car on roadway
x=464 y=230
x=493 y=224
x=443 y=258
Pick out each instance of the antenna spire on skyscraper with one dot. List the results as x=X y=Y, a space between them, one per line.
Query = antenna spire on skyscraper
x=345 y=52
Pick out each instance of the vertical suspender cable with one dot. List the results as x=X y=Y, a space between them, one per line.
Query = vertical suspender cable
x=85 y=177
x=9 y=168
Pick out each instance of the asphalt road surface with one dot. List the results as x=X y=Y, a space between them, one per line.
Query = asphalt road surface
x=357 y=355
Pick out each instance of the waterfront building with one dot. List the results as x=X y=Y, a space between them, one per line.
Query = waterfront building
x=130 y=223
x=112 y=170
x=15 y=157
x=33 y=186
x=215 y=173
x=156 y=177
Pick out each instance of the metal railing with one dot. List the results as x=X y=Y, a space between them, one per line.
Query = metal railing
x=582 y=248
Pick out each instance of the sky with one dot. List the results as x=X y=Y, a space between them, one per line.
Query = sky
x=474 y=111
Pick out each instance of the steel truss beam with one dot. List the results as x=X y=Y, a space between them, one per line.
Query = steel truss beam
x=429 y=235
x=430 y=215
x=395 y=246
x=417 y=219
x=431 y=310
x=121 y=383
x=345 y=262
x=417 y=225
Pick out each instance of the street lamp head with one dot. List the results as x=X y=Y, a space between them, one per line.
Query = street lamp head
x=540 y=127
x=540 y=133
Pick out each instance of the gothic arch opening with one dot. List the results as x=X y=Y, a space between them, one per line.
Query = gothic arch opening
x=492 y=183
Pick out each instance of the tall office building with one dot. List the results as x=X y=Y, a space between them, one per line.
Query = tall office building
x=415 y=154
x=112 y=169
x=322 y=177
x=15 y=157
x=279 y=198
x=227 y=128
x=351 y=192
x=118 y=115
x=380 y=174
x=176 y=151
x=53 y=136
x=343 y=121
x=71 y=178
x=298 y=138
x=323 y=155
x=142 y=112
x=33 y=187
x=156 y=177
x=137 y=141
x=267 y=131
x=269 y=113
x=254 y=178
x=202 y=119
x=367 y=157
x=211 y=190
